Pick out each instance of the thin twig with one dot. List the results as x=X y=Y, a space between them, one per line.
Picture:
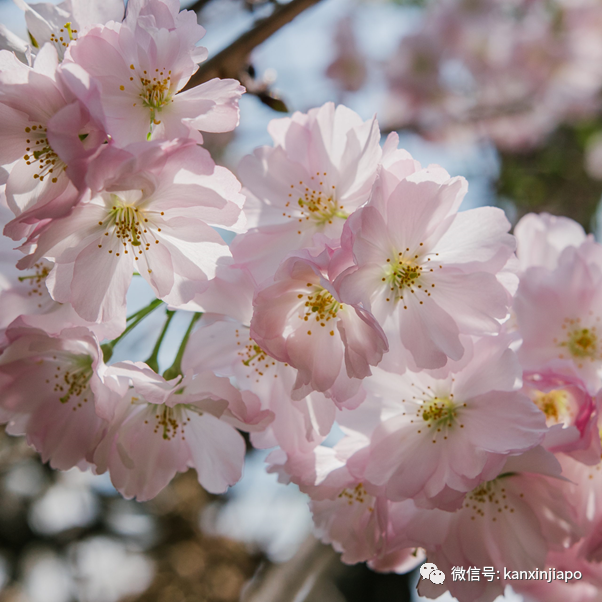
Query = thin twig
x=230 y=61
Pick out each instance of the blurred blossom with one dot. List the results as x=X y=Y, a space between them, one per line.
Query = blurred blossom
x=25 y=479
x=68 y=504
x=107 y=570
x=46 y=578
x=349 y=68
x=526 y=66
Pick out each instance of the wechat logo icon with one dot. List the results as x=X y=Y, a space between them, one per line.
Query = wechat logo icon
x=430 y=571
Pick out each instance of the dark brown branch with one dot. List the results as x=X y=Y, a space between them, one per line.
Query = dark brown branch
x=230 y=61
x=198 y=5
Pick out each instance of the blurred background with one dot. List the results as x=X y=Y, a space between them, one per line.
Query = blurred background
x=505 y=93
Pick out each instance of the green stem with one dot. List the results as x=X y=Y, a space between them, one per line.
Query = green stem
x=145 y=309
x=107 y=348
x=152 y=361
x=176 y=368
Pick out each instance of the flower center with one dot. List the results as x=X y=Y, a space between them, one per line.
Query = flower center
x=36 y=280
x=39 y=153
x=319 y=304
x=71 y=379
x=356 y=495
x=133 y=226
x=169 y=421
x=156 y=92
x=581 y=343
x=489 y=500
x=254 y=357
x=62 y=38
x=316 y=202
x=440 y=411
x=408 y=273
x=555 y=405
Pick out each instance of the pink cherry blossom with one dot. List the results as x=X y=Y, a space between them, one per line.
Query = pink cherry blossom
x=324 y=476
x=355 y=522
x=149 y=212
x=28 y=298
x=517 y=73
x=571 y=413
x=142 y=66
x=427 y=272
x=163 y=427
x=540 y=238
x=349 y=67
x=50 y=387
x=301 y=320
x=558 y=314
x=351 y=513
x=512 y=521
x=48 y=137
x=60 y=24
x=166 y=14
x=437 y=436
x=229 y=293
x=319 y=171
x=225 y=347
x=584 y=492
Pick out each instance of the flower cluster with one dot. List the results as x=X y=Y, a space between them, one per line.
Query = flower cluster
x=462 y=364
x=509 y=71
x=105 y=178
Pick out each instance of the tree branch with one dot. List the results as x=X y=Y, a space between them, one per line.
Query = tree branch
x=198 y=5
x=230 y=61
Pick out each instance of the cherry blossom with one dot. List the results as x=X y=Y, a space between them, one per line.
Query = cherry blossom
x=27 y=298
x=301 y=320
x=60 y=24
x=458 y=428
x=319 y=171
x=541 y=238
x=558 y=314
x=150 y=214
x=427 y=272
x=571 y=413
x=163 y=427
x=349 y=67
x=226 y=347
x=49 y=136
x=354 y=515
x=50 y=387
x=435 y=395
x=518 y=72
x=355 y=522
x=520 y=501
x=143 y=64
